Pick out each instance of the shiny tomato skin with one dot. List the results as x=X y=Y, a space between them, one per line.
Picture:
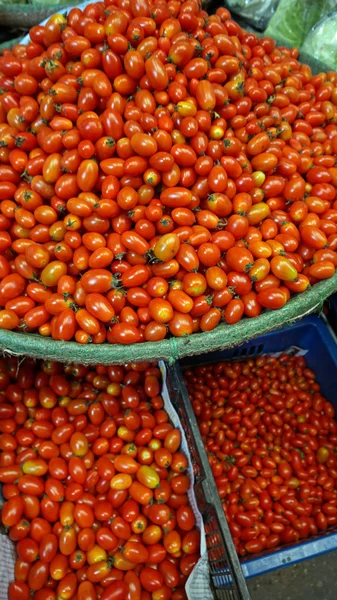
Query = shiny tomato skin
x=38 y=575
x=12 y=511
x=151 y=579
x=18 y=589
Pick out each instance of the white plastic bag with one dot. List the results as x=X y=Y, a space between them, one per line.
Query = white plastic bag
x=198 y=584
x=256 y=12
x=322 y=41
x=7 y=562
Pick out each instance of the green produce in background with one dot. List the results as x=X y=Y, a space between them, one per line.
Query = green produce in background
x=256 y=12
x=55 y=3
x=322 y=41
x=294 y=19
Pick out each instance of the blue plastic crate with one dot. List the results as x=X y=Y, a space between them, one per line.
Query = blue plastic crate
x=313 y=335
x=331 y=306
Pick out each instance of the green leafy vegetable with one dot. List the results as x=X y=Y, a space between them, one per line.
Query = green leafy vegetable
x=294 y=19
x=322 y=41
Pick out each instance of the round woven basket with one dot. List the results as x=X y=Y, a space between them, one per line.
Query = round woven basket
x=171 y=349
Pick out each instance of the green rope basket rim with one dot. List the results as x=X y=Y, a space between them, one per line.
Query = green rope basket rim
x=172 y=349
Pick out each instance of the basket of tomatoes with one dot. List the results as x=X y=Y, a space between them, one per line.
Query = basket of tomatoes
x=99 y=502
x=265 y=415
x=167 y=184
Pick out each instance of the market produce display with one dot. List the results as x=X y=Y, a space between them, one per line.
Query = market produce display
x=161 y=170
x=95 y=484
x=271 y=438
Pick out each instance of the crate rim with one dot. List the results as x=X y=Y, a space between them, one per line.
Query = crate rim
x=319 y=322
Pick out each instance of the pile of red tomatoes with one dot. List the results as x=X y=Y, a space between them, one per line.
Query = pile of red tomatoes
x=95 y=484
x=161 y=170
x=271 y=438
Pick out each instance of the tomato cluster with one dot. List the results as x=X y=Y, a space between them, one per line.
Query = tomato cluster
x=95 y=484
x=271 y=438
x=160 y=170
